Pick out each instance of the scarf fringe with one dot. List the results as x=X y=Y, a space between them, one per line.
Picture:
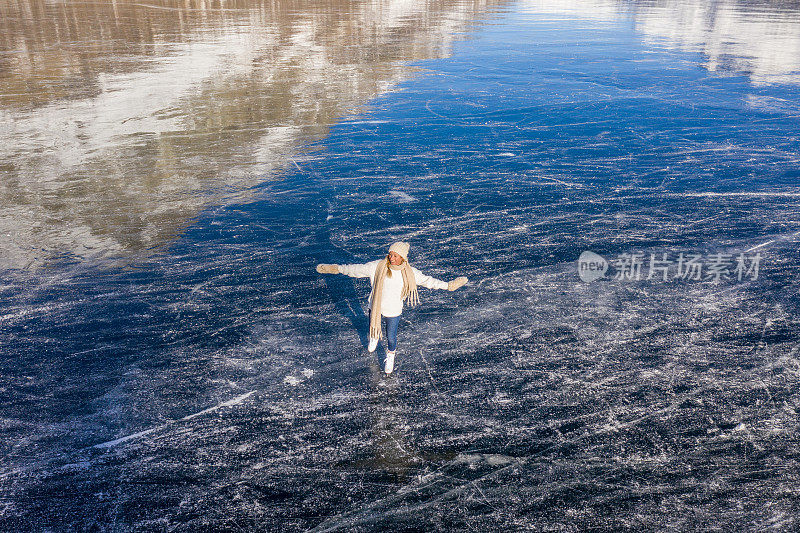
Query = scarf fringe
x=410 y=294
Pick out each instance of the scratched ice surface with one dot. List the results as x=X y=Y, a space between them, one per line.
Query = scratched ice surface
x=170 y=360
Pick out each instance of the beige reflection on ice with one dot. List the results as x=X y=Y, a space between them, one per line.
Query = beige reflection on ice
x=120 y=121
x=761 y=39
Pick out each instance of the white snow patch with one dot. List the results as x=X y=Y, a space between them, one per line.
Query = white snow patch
x=402 y=197
x=291 y=380
x=474 y=459
x=80 y=465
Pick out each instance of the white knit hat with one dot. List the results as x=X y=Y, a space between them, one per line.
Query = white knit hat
x=400 y=248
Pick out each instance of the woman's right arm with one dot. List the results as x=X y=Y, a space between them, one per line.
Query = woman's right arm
x=365 y=270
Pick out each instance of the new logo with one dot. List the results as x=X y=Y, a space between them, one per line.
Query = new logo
x=591 y=266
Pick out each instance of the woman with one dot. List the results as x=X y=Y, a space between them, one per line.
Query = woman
x=393 y=282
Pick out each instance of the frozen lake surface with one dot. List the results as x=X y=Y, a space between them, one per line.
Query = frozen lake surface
x=173 y=171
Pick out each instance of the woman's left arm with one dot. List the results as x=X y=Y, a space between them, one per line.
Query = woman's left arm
x=433 y=283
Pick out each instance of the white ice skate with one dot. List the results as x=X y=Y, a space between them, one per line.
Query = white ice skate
x=388 y=363
x=373 y=343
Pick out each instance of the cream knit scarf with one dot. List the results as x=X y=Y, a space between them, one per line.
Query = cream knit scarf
x=409 y=294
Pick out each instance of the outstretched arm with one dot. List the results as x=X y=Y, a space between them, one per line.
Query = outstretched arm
x=457 y=283
x=433 y=283
x=325 y=268
x=366 y=270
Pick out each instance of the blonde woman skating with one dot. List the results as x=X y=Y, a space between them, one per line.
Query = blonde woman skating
x=394 y=281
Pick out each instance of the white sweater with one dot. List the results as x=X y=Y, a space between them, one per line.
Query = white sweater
x=392 y=300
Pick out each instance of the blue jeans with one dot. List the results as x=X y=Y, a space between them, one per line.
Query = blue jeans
x=391 y=322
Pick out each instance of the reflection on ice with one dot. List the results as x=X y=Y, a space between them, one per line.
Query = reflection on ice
x=120 y=121
x=758 y=39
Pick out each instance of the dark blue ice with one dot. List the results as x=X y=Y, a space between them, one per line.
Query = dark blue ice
x=219 y=383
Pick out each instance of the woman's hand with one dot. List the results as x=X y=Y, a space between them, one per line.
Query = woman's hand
x=323 y=268
x=456 y=283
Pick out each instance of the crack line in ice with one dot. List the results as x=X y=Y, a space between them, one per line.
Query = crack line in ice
x=746 y=194
x=428 y=107
x=234 y=401
x=782 y=238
